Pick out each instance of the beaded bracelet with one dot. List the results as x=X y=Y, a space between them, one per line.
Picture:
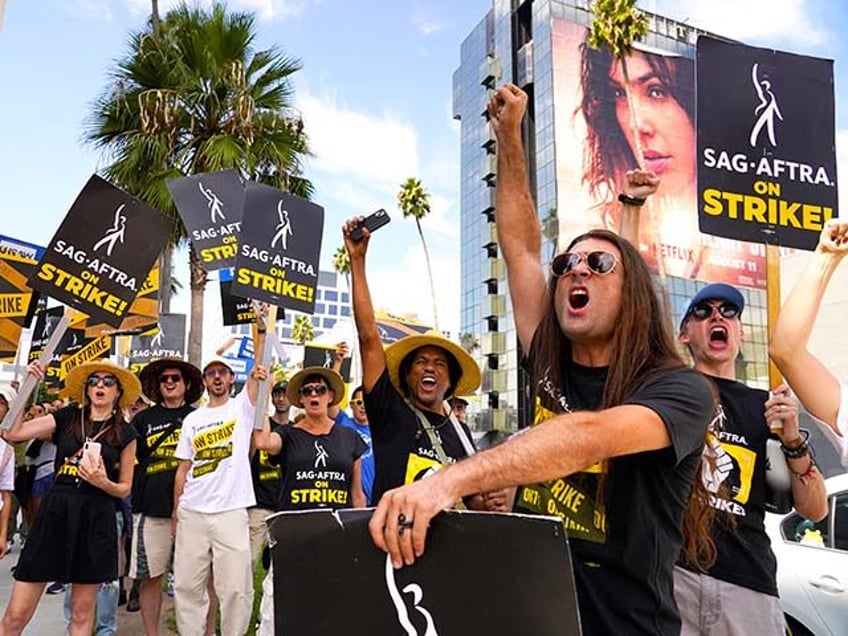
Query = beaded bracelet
x=799 y=451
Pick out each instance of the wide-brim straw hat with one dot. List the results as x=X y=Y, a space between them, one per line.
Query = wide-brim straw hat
x=469 y=378
x=333 y=379
x=191 y=374
x=76 y=378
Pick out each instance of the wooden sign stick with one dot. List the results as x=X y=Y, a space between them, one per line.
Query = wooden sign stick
x=773 y=304
x=262 y=348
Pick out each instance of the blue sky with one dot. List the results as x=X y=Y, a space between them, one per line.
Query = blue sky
x=375 y=92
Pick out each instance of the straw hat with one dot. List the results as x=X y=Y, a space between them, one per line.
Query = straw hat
x=150 y=378
x=333 y=379
x=469 y=378
x=75 y=381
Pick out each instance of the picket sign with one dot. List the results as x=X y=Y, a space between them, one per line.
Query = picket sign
x=44 y=359
x=264 y=343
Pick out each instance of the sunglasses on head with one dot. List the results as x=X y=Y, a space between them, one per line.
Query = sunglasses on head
x=599 y=262
x=107 y=380
x=170 y=377
x=312 y=389
x=358 y=402
x=704 y=310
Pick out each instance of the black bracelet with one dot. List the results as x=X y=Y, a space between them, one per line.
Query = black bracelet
x=626 y=199
x=799 y=451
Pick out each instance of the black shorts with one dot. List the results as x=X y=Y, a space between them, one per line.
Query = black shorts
x=74 y=540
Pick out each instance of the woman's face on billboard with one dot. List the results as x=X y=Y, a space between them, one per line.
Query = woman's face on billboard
x=665 y=129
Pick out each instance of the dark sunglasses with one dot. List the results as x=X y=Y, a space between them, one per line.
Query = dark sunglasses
x=278 y=391
x=170 y=377
x=312 y=389
x=599 y=262
x=358 y=402
x=107 y=380
x=704 y=310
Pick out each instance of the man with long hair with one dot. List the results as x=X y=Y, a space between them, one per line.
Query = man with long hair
x=620 y=419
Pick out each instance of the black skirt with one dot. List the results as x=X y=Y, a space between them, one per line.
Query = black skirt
x=74 y=539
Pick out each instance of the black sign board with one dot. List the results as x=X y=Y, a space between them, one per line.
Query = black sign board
x=165 y=341
x=235 y=310
x=17 y=301
x=766 y=153
x=45 y=323
x=279 y=249
x=210 y=205
x=101 y=254
x=316 y=355
x=492 y=574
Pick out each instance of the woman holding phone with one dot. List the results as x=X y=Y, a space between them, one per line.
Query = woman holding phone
x=75 y=535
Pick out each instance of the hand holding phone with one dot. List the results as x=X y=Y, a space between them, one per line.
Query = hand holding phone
x=91 y=455
x=373 y=222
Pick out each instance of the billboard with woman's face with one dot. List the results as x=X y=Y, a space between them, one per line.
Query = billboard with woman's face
x=595 y=136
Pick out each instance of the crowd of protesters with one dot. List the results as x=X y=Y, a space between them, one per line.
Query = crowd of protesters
x=669 y=459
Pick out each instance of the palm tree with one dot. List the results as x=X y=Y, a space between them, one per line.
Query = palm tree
x=414 y=201
x=341 y=263
x=303 y=330
x=199 y=98
x=469 y=342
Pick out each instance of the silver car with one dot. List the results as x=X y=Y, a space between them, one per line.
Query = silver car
x=812 y=565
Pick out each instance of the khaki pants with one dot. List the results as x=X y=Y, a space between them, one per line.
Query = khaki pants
x=219 y=541
x=258 y=531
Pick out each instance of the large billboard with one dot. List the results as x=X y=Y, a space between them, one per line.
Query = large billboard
x=595 y=147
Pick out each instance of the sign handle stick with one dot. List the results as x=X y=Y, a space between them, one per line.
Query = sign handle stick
x=265 y=359
x=773 y=304
x=19 y=353
x=30 y=382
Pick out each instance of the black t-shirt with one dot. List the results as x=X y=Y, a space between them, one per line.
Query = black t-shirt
x=68 y=425
x=744 y=554
x=153 y=486
x=317 y=469
x=267 y=480
x=624 y=547
x=402 y=449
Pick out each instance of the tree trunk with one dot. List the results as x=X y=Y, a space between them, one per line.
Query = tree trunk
x=165 y=276
x=198 y=287
x=154 y=18
x=429 y=274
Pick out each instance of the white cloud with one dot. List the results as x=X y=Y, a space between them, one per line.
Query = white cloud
x=425 y=23
x=749 y=20
x=378 y=150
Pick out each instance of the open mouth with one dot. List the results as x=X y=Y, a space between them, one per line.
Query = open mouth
x=578 y=298
x=428 y=381
x=314 y=403
x=718 y=334
x=99 y=394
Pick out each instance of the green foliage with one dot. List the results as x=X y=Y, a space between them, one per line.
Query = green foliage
x=617 y=24
x=413 y=199
x=341 y=261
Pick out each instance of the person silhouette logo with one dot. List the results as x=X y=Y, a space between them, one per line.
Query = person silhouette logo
x=283 y=229
x=767 y=109
x=114 y=234
x=321 y=456
x=213 y=202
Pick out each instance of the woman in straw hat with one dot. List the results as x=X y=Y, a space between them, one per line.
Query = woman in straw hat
x=320 y=461
x=75 y=535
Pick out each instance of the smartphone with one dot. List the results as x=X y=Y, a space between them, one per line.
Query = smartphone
x=373 y=222
x=91 y=453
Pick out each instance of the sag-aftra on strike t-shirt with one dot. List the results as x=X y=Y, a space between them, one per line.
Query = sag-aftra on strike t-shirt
x=217 y=441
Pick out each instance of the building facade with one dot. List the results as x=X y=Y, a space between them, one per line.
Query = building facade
x=538 y=45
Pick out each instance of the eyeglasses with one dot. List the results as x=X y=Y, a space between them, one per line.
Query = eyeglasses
x=170 y=377
x=704 y=310
x=312 y=389
x=107 y=380
x=358 y=402
x=217 y=371
x=599 y=262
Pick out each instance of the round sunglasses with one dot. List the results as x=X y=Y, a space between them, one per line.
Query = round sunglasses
x=107 y=380
x=598 y=261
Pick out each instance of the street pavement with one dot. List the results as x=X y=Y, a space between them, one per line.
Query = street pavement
x=48 y=619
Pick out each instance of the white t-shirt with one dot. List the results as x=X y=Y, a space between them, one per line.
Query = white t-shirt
x=7 y=468
x=217 y=441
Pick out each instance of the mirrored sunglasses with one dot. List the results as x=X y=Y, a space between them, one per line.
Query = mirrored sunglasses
x=704 y=310
x=170 y=377
x=599 y=262
x=107 y=380
x=312 y=389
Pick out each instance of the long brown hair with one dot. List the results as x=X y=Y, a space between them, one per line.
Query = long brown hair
x=607 y=155
x=642 y=345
